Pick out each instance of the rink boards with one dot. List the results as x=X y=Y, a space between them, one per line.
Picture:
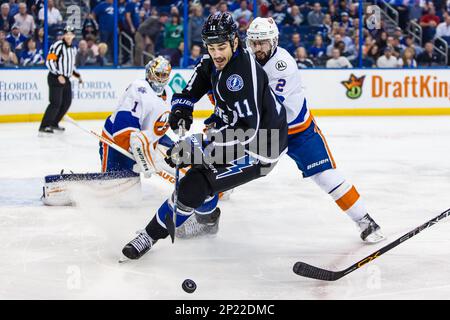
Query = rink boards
x=352 y=92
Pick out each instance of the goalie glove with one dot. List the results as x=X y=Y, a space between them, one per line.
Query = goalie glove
x=148 y=158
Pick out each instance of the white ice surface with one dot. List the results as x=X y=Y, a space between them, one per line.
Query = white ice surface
x=401 y=166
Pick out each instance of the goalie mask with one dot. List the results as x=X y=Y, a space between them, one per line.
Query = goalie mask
x=157 y=72
x=262 y=38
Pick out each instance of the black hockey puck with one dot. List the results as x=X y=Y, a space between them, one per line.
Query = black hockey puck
x=189 y=286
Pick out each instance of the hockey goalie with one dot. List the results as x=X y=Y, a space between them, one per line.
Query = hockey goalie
x=138 y=125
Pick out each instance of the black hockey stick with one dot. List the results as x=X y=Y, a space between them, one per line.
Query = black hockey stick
x=309 y=271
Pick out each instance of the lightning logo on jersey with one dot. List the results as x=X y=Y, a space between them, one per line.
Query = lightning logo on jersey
x=237 y=165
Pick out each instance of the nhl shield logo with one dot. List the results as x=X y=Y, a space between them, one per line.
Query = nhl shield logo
x=235 y=83
x=281 y=65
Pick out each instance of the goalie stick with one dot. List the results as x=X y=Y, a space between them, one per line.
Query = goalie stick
x=309 y=271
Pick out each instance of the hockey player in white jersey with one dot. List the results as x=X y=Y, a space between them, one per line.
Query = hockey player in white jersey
x=307 y=145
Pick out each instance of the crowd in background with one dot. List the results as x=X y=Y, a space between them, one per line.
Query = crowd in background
x=322 y=33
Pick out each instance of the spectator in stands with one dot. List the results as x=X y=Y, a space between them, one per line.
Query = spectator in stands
x=263 y=8
x=346 y=22
x=242 y=29
x=147 y=35
x=336 y=38
x=222 y=6
x=173 y=34
x=24 y=20
x=7 y=57
x=59 y=35
x=242 y=12
x=353 y=11
x=146 y=10
x=16 y=39
x=387 y=60
x=132 y=19
x=367 y=61
x=302 y=59
x=2 y=36
x=443 y=29
x=13 y=8
x=415 y=11
x=194 y=58
x=31 y=56
x=39 y=38
x=337 y=61
x=103 y=13
x=294 y=17
x=429 y=22
x=279 y=11
x=382 y=40
x=395 y=44
x=92 y=44
x=333 y=12
x=196 y=21
x=85 y=56
x=53 y=15
x=428 y=58
x=102 y=59
x=90 y=27
x=234 y=5
x=407 y=60
x=315 y=17
x=344 y=37
x=374 y=52
x=6 y=20
x=296 y=42
x=409 y=43
x=318 y=48
x=327 y=23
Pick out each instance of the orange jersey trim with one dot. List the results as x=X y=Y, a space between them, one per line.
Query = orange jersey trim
x=301 y=127
x=348 y=199
x=123 y=139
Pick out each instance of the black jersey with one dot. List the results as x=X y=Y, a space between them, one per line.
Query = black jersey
x=244 y=101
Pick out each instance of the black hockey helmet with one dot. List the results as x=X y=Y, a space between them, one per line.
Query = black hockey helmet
x=219 y=27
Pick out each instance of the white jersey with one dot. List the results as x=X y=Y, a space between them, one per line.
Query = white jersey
x=286 y=82
x=139 y=108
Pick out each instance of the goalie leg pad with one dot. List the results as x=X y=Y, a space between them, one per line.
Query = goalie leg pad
x=64 y=189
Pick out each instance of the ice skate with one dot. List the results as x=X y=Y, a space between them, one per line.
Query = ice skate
x=370 y=230
x=199 y=225
x=137 y=247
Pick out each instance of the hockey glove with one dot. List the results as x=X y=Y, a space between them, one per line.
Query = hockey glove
x=180 y=153
x=213 y=122
x=182 y=109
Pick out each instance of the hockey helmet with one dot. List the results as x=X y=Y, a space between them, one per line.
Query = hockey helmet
x=219 y=27
x=263 y=29
x=157 y=72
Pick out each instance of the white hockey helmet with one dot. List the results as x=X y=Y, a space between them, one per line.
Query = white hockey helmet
x=263 y=29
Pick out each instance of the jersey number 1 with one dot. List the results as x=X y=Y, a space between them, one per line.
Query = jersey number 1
x=247 y=109
x=135 y=106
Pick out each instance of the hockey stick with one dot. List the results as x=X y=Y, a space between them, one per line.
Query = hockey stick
x=168 y=177
x=171 y=223
x=309 y=271
x=101 y=138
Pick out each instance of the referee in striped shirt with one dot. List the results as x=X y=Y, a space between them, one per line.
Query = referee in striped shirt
x=61 y=64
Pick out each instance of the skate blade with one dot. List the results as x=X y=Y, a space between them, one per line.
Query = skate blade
x=123 y=260
x=375 y=237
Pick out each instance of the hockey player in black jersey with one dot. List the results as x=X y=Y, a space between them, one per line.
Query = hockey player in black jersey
x=248 y=137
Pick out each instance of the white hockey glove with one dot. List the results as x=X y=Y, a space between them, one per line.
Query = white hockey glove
x=148 y=158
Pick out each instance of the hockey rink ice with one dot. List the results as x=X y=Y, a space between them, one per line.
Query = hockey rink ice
x=400 y=165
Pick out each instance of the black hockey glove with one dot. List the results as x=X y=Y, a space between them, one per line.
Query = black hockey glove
x=214 y=122
x=182 y=109
x=180 y=153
